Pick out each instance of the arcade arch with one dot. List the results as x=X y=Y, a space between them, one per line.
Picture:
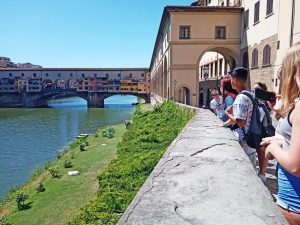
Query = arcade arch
x=71 y=84
x=60 y=84
x=48 y=84
x=213 y=64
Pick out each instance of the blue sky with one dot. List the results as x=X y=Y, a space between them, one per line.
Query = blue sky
x=81 y=33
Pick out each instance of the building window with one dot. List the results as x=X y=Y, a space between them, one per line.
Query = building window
x=95 y=75
x=22 y=74
x=119 y=75
x=254 y=63
x=246 y=19
x=142 y=75
x=58 y=75
x=267 y=55
x=34 y=74
x=220 y=33
x=269 y=7
x=47 y=74
x=245 y=60
x=71 y=74
x=184 y=32
x=256 y=12
x=82 y=75
x=10 y=74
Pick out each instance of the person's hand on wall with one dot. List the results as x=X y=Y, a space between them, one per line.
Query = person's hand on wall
x=229 y=110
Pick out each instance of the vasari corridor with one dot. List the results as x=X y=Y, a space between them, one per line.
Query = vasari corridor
x=169 y=112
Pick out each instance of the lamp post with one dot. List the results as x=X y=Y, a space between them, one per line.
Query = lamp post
x=205 y=71
x=174 y=84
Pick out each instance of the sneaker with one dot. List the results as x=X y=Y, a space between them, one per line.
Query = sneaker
x=262 y=177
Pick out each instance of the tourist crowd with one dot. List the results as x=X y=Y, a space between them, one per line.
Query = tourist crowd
x=247 y=113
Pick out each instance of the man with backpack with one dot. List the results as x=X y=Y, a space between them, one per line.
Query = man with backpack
x=240 y=113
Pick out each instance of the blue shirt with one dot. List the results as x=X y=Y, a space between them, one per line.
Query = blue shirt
x=228 y=101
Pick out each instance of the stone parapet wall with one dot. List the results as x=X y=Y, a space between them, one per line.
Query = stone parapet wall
x=203 y=178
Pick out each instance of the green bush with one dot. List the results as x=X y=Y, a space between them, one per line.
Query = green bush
x=4 y=221
x=138 y=153
x=68 y=163
x=54 y=171
x=82 y=147
x=104 y=133
x=111 y=134
x=20 y=200
x=86 y=142
x=40 y=188
x=59 y=154
x=48 y=165
x=128 y=124
x=111 y=130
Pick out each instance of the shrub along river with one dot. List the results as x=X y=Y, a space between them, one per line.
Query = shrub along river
x=31 y=137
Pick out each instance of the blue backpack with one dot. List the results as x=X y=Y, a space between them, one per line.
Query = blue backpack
x=257 y=131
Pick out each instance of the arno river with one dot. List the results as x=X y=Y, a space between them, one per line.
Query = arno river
x=31 y=137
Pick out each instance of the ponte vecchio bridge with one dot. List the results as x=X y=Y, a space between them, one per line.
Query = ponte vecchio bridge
x=33 y=87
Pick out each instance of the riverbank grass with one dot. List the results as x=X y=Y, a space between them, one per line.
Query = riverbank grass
x=152 y=130
x=65 y=195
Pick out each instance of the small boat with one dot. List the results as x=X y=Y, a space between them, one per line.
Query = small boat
x=82 y=135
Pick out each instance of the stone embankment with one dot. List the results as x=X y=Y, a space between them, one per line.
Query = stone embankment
x=203 y=178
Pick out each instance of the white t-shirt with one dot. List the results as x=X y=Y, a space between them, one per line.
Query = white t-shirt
x=218 y=106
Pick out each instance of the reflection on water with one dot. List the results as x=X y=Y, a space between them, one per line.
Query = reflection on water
x=31 y=137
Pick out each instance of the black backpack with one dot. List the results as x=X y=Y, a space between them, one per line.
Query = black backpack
x=256 y=130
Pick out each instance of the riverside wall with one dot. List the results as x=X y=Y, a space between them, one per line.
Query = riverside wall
x=204 y=177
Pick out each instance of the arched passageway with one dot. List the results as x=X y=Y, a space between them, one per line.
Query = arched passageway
x=213 y=66
x=184 y=96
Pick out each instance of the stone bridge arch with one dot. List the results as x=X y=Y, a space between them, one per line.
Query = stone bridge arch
x=94 y=99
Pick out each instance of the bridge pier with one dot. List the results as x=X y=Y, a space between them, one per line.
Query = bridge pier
x=95 y=100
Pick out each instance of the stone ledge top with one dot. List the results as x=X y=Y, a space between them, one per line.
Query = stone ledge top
x=203 y=178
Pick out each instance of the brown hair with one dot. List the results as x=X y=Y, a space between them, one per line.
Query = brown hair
x=262 y=85
x=290 y=79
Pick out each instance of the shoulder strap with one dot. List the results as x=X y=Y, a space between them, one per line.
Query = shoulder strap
x=249 y=96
